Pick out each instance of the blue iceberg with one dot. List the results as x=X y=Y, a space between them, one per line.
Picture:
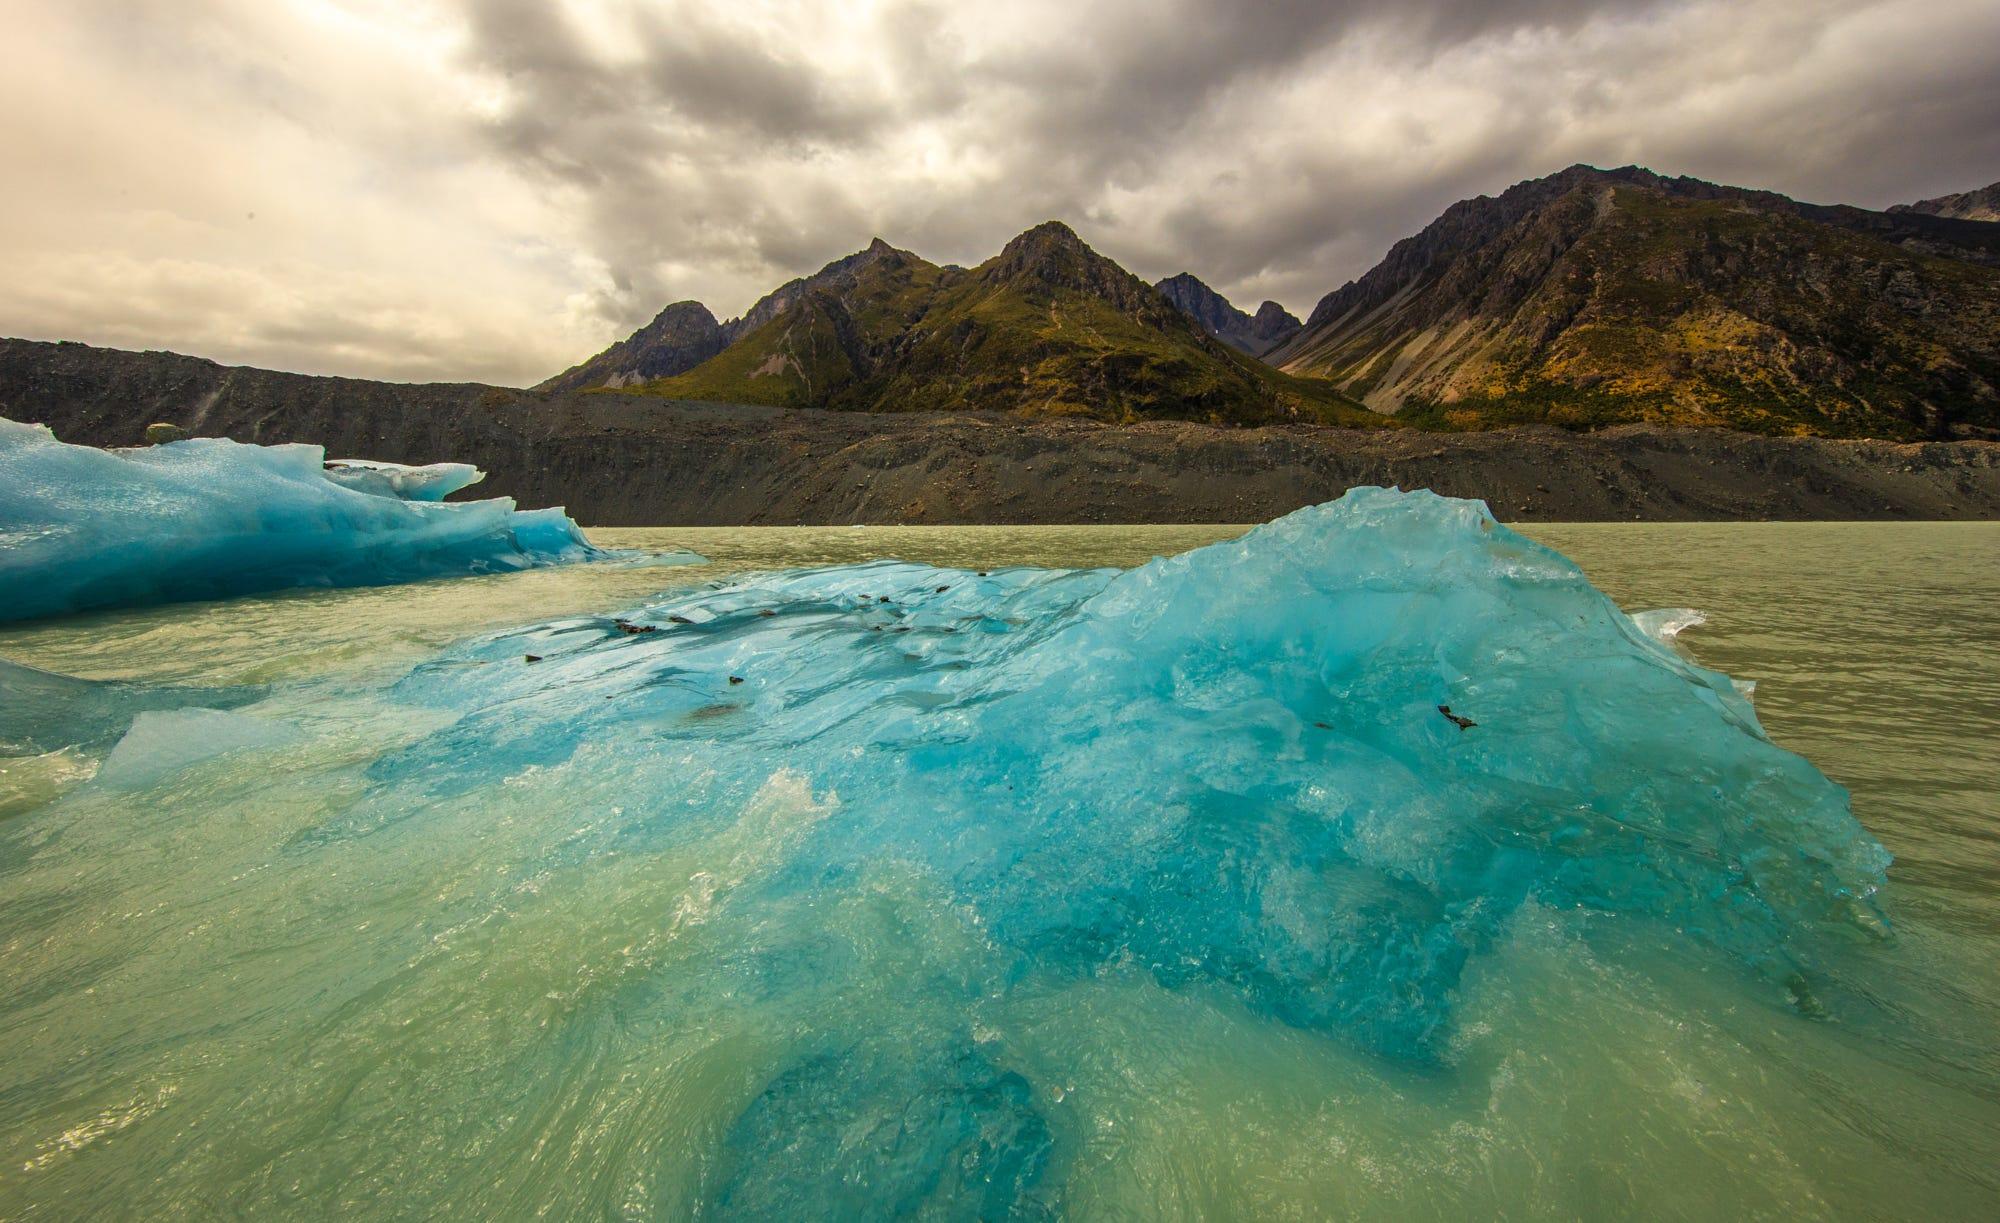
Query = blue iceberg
x=210 y=518
x=1315 y=771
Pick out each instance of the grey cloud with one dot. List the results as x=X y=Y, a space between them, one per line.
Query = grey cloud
x=690 y=118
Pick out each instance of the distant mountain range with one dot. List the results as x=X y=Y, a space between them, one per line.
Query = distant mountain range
x=685 y=334
x=1047 y=326
x=1980 y=205
x=1585 y=298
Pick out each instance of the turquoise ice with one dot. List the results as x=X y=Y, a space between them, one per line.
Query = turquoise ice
x=211 y=518
x=1316 y=769
x=813 y=855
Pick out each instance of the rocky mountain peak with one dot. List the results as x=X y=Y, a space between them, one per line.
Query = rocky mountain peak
x=680 y=316
x=1050 y=258
x=1592 y=296
x=679 y=337
x=1273 y=324
x=1049 y=235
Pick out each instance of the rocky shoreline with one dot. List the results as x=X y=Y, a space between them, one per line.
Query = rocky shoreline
x=632 y=460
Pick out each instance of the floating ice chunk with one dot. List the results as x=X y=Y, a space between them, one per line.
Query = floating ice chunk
x=41 y=711
x=165 y=741
x=212 y=518
x=1318 y=767
x=431 y=482
x=1663 y=624
x=865 y=828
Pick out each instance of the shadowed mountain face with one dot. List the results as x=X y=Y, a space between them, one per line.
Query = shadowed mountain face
x=1048 y=327
x=1980 y=205
x=1596 y=296
x=679 y=338
x=1271 y=326
x=685 y=334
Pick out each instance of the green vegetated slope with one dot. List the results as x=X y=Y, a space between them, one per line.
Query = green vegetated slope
x=1047 y=327
x=1593 y=297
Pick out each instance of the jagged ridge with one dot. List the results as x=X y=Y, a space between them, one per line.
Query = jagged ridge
x=1595 y=296
x=686 y=333
x=1048 y=326
x=679 y=338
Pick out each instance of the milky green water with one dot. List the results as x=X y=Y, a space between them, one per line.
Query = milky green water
x=191 y=1026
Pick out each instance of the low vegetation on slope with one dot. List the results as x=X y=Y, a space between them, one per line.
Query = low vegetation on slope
x=1047 y=327
x=1594 y=297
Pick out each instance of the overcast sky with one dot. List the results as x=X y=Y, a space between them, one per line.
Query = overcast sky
x=493 y=189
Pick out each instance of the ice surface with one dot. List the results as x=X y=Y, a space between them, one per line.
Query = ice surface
x=164 y=741
x=210 y=518
x=431 y=482
x=1230 y=772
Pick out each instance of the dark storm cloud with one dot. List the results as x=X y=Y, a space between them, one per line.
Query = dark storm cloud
x=695 y=134
x=681 y=132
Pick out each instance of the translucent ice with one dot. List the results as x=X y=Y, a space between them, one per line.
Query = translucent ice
x=54 y=730
x=164 y=741
x=44 y=712
x=431 y=482
x=210 y=518
x=1313 y=771
x=1663 y=624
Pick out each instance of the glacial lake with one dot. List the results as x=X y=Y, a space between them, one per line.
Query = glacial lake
x=191 y=1025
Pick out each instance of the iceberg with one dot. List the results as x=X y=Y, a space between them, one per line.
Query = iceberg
x=1315 y=772
x=210 y=518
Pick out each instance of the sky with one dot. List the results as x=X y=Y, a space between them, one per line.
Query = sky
x=492 y=190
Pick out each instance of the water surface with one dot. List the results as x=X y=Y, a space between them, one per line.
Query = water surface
x=450 y=1027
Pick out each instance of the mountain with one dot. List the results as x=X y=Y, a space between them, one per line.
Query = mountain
x=624 y=459
x=1595 y=296
x=685 y=334
x=679 y=338
x=1048 y=326
x=1980 y=205
x=1272 y=326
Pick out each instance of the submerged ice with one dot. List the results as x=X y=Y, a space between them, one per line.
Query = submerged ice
x=211 y=518
x=826 y=843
